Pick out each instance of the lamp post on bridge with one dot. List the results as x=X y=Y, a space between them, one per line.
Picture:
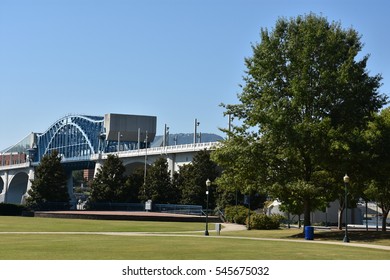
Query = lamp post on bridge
x=119 y=141
x=196 y=130
x=166 y=136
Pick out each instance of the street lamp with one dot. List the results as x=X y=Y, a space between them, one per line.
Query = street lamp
x=146 y=158
x=195 y=130
x=208 y=184
x=346 y=182
x=119 y=141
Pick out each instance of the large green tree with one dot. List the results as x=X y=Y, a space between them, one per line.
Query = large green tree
x=306 y=94
x=108 y=184
x=49 y=184
x=378 y=138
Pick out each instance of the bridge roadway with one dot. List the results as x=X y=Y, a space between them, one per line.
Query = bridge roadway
x=15 y=180
x=156 y=151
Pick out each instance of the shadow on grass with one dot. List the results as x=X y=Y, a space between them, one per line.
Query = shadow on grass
x=355 y=235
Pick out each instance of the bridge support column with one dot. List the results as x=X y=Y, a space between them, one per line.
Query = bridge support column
x=69 y=184
x=98 y=166
x=3 y=195
x=31 y=177
x=171 y=159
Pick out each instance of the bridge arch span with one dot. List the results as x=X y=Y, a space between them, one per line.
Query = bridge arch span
x=17 y=188
x=72 y=136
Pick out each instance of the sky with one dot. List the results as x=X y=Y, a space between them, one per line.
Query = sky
x=174 y=59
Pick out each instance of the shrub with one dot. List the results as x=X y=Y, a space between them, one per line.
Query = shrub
x=7 y=209
x=236 y=214
x=262 y=221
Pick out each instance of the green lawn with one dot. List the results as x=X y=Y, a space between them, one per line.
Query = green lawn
x=60 y=246
x=370 y=237
x=26 y=224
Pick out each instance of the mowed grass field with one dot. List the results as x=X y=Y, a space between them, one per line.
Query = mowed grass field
x=71 y=239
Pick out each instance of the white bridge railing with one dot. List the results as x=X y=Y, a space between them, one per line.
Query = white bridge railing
x=15 y=166
x=130 y=153
x=149 y=151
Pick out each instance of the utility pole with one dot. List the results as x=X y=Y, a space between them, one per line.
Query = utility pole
x=195 y=130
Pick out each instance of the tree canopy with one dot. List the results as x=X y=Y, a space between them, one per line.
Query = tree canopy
x=192 y=178
x=49 y=184
x=158 y=186
x=306 y=95
x=378 y=186
x=109 y=181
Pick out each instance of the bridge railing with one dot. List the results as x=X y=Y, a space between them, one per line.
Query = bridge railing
x=132 y=153
x=160 y=150
x=15 y=166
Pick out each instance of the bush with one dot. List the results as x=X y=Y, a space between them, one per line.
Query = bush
x=236 y=214
x=262 y=221
x=7 y=209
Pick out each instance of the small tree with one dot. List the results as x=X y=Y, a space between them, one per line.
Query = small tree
x=109 y=181
x=159 y=187
x=49 y=184
x=192 y=180
x=134 y=182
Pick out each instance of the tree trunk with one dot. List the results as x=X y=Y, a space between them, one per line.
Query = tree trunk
x=340 y=213
x=384 y=219
x=306 y=213
x=339 y=219
x=299 y=221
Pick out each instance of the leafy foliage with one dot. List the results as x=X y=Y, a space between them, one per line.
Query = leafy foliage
x=7 y=209
x=192 y=178
x=236 y=214
x=158 y=186
x=109 y=182
x=49 y=184
x=263 y=221
x=306 y=97
x=378 y=137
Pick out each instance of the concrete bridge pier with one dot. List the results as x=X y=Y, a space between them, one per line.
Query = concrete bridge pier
x=3 y=186
x=171 y=159
x=98 y=165
x=15 y=183
x=31 y=177
x=69 y=185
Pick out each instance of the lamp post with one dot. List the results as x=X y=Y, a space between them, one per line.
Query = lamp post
x=208 y=184
x=119 y=141
x=166 y=136
x=195 y=130
x=146 y=158
x=346 y=182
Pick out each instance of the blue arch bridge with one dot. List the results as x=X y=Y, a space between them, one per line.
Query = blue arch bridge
x=84 y=142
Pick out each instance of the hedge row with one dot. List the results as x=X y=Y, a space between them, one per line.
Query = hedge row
x=239 y=215
x=7 y=209
x=262 y=221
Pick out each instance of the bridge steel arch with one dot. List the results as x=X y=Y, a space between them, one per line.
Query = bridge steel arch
x=72 y=136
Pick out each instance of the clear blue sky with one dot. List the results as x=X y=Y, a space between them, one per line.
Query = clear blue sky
x=175 y=59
